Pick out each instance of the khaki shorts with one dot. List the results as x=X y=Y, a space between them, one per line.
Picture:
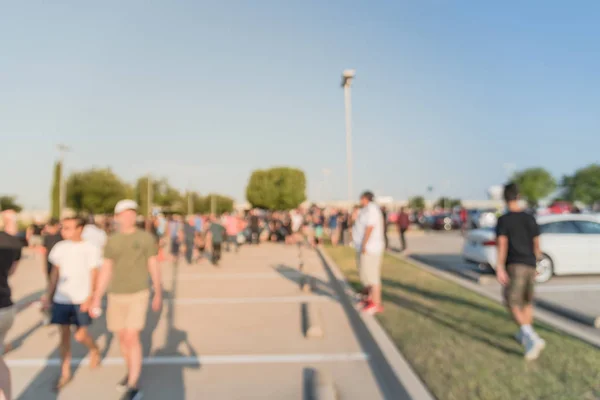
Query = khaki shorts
x=369 y=268
x=7 y=317
x=519 y=291
x=127 y=311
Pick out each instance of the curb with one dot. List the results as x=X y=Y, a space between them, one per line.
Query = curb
x=559 y=322
x=414 y=387
x=585 y=319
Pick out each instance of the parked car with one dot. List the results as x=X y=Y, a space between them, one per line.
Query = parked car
x=570 y=244
x=482 y=218
x=445 y=222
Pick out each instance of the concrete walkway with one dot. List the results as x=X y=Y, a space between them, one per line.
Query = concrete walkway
x=233 y=332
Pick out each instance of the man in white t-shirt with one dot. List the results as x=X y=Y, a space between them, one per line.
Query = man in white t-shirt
x=369 y=242
x=93 y=234
x=72 y=282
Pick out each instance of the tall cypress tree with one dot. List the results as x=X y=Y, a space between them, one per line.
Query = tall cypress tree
x=55 y=194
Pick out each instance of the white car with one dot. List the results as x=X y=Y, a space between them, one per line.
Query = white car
x=570 y=244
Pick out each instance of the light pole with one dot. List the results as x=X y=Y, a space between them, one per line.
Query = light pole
x=62 y=149
x=347 y=77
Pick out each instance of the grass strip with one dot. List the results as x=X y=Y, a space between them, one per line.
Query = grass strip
x=462 y=344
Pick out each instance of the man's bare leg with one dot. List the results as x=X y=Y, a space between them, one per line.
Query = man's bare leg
x=135 y=357
x=83 y=336
x=65 y=356
x=376 y=294
x=124 y=348
x=5 y=387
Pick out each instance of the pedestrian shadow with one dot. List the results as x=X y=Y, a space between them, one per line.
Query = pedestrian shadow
x=473 y=330
x=438 y=296
x=320 y=288
x=177 y=348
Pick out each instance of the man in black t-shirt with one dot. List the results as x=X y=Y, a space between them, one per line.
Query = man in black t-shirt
x=52 y=237
x=518 y=251
x=10 y=254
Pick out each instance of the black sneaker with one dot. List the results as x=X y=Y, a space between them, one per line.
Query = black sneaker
x=132 y=394
x=122 y=384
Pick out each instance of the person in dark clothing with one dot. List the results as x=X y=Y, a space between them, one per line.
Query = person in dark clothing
x=518 y=238
x=254 y=228
x=52 y=237
x=10 y=254
x=403 y=225
x=385 y=227
x=216 y=235
x=189 y=234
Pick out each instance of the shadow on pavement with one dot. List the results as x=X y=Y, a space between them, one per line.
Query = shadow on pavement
x=320 y=288
x=386 y=379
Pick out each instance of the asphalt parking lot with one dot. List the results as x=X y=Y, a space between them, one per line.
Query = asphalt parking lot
x=577 y=296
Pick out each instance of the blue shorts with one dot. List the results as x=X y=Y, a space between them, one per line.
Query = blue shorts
x=69 y=314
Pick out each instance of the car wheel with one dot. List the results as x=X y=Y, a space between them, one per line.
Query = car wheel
x=545 y=269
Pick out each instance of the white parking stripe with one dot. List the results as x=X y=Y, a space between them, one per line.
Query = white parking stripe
x=258 y=275
x=252 y=300
x=568 y=288
x=202 y=360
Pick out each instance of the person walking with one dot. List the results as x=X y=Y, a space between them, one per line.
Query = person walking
x=232 y=227
x=93 y=234
x=333 y=227
x=75 y=264
x=175 y=236
x=189 y=234
x=129 y=257
x=518 y=238
x=254 y=224
x=10 y=254
x=215 y=236
x=403 y=225
x=368 y=238
x=385 y=227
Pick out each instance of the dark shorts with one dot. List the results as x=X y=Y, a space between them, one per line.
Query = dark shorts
x=519 y=291
x=69 y=314
x=175 y=246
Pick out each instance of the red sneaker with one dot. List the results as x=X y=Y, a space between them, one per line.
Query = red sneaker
x=373 y=309
x=361 y=305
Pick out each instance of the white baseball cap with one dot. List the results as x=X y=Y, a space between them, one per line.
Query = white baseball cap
x=125 y=205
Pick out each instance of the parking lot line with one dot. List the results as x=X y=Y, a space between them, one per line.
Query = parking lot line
x=251 y=300
x=202 y=360
x=568 y=288
x=258 y=275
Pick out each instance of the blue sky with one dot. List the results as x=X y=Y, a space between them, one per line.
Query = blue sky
x=447 y=92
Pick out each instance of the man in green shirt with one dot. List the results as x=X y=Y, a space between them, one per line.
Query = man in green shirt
x=129 y=255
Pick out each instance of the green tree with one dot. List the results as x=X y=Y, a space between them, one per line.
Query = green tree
x=168 y=197
x=55 y=193
x=584 y=185
x=9 y=203
x=280 y=188
x=447 y=202
x=96 y=191
x=535 y=184
x=416 y=203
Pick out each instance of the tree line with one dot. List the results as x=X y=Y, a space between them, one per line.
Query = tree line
x=98 y=190
x=537 y=184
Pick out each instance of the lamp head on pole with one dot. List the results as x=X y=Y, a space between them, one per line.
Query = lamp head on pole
x=347 y=77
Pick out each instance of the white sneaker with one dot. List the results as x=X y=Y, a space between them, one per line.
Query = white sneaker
x=533 y=347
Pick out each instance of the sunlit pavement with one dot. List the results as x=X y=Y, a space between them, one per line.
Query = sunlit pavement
x=233 y=332
x=443 y=250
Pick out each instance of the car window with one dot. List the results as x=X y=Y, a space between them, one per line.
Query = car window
x=588 y=227
x=559 y=227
